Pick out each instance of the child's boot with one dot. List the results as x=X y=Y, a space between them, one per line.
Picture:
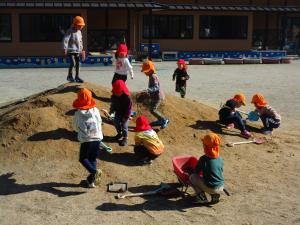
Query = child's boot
x=118 y=136
x=164 y=123
x=124 y=141
x=200 y=199
x=78 y=80
x=70 y=78
x=215 y=198
x=246 y=134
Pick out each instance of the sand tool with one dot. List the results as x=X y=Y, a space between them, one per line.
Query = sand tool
x=105 y=147
x=257 y=141
x=162 y=187
x=252 y=116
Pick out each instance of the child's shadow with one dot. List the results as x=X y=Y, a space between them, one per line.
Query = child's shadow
x=60 y=133
x=207 y=125
x=10 y=187
x=124 y=158
x=102 y=99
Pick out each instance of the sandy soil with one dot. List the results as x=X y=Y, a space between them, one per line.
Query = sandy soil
x=40 y=174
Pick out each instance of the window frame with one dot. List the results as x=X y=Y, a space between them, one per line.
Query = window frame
x=41 y=14
x=168 y=16
x=10 y=18
x=224 y=38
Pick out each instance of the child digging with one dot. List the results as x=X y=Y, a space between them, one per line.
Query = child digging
x=156 y=93
x=211 y=165
x=147 y=144
x=181 y=77
x=123 y=65
x=73 y=47
x=231 y=118
x=269 y=117
x=87 y=122
x=121 y=104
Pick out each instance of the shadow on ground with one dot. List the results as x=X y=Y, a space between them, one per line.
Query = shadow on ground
x=10 y=187
x=60 y=133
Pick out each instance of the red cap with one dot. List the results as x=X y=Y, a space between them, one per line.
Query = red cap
x=122 y=50
x=181 y=61
x=119 y=86
x=142 y=124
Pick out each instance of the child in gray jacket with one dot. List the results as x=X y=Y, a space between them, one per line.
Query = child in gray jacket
x=73 y=47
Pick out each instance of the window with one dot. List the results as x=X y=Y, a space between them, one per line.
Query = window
x=173 y=27
x=224 y=27
x=44 y=27
x=101 y=40
x=5 y=27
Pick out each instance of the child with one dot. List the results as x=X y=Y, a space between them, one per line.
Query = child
x=123 y=65
x=181 y=77
x=87 y=122
x=147 y=144
x=121 y=104
x=270 y=118
x=230 y=117
x=73 y=47
x=156 y=93
x=211 y=165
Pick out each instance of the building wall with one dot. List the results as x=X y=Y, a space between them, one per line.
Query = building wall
x=17 y=48
x=197 y=44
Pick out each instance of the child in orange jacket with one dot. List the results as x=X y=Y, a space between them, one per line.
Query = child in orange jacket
x=147 y=144
x=269 y=117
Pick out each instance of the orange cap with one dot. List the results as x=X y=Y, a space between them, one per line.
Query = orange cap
x=148 y=66
x=259 y=100
x=240 y=98
x=211 y=143
x=84 y=100
x=79 y=21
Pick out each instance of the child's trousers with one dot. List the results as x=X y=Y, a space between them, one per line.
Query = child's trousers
x=236 y=119
x=74 y=62
x=199 y=185
x=89 y=151
x=269 y=122
x=153 y=109
x=121 y=125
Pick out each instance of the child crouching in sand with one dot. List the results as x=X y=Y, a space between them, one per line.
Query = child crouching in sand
x=87 y=122
x=211 y=165
x=147 y=144
x=269 y=117
x=231 y=118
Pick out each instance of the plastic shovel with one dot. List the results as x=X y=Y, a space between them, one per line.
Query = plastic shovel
x=255 y=140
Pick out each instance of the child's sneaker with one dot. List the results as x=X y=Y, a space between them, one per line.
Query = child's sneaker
x=98 y=176
x=266 y=131
x=164 y=124
x=230 y=126
x=215 y=198
x=124 y=141
x=200 y=199
x=79 y=80
x=246 y=134
x=90 y=180
x=70 y=78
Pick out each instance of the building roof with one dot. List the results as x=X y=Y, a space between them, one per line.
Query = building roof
x=243 y=8
x=80 y=4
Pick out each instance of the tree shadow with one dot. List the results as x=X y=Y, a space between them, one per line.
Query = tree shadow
x=60 y=133
x=124 y=158
x=10 y=187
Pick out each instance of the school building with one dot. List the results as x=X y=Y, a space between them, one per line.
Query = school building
x=36 y=28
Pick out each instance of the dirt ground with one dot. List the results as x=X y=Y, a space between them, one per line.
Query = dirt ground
x=40 y=176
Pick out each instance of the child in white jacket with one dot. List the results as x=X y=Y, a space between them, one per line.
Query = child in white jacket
x=87 y=122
